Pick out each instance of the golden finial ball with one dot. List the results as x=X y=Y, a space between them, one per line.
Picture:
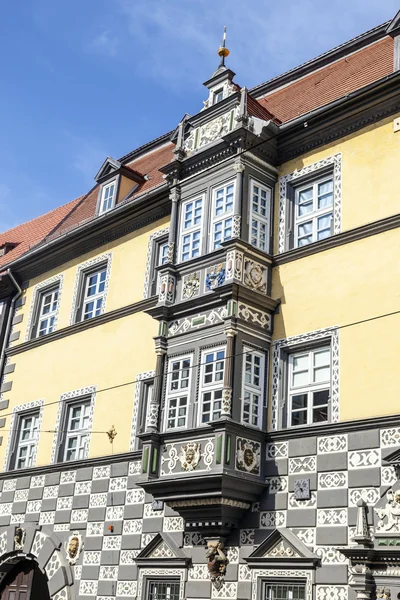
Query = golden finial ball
x=223 y=52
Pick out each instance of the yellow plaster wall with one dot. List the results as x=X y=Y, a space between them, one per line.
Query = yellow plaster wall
x=105 y=356
x=126 y=279
x=370 y=163
x=125 y=186
x=340 y=287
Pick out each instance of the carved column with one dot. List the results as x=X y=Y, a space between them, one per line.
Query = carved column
x=153 y=411
x=239 y=168
x=226 y=410
x=175 y=195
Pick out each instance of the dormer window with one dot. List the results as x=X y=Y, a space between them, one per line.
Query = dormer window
x=108 y=193
x=218 y=95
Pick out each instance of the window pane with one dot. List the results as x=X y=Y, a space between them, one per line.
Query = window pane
x=320 y=397
x=301 y=378
x=299 y=401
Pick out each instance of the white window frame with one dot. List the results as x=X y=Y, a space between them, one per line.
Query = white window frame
x=105 y=205
x=162 y=256
x=261 y=220
x=282 y=582
x=51 y=316
x=252 y=388
x=221 y=219
x=179 y=393
x=98 y=295
x=310 y=387
x=82 y=434
x=29 y=443
x=218 y=95
x=316 y=213
x=210 y=387
x=191 y=229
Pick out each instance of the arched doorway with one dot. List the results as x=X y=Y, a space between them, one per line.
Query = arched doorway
x=25 y=581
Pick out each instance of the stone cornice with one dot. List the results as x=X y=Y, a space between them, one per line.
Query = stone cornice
x=346 y=237
x=119 y=313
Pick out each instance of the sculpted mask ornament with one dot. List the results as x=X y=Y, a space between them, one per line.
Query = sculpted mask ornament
x=390 y=515
x=19 y=538
x=74 y=547
x=216 y=560
x=190 y=456
x=248 y=456
x=383 y=593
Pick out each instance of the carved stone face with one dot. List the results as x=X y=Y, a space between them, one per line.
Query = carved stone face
x=248 y=457
x=190 y=453
x=73 y=547
x=396 y=497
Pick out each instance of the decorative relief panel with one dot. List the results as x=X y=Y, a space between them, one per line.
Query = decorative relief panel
x=302 y=464
x=330 y=555
x=247 y=537
x=390 y=437
x=332 y=443
x=254 y=316
x=277 y=484
x=277 y=450
x=255 y=275
x=175 y=456
x=191 y=285
x=369 y=495
x=332 y=479
x=205 y=319
x=248 y=456
x=306 y=535
x=332 y=592
x=336 y=162
x=388 y=475
x=209 y=132
x=215 y=276
x=234 y=265
x=364 y=459
x=228 y=590
x=331 y=516
x=389 y=514
x=331 y=333
x=271 y=519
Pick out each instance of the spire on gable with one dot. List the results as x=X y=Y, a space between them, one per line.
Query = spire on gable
x=220 y=84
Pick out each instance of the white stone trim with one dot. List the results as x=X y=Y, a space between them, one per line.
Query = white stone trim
x=136 y=399
x=36 y=290
x=154 y=573
x=107 y=257
x=87 y=391
x=21 y=408
x=336 y=162
x=331 y=333
x=259 y=575
x=149 y=256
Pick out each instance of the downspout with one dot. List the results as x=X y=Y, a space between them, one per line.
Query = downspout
x=9 y=321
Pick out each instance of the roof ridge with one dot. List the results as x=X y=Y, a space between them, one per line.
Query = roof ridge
x=283 y=76
x=152 y=143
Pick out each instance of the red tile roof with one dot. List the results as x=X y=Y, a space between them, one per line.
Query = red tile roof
x=331 y=82
x=33 y=232
x=148 y=164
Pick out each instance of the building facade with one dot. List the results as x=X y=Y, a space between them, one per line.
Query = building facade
x=194 y=403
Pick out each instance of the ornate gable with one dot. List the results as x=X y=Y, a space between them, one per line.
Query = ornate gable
x=109 y=167
x=162 y=550
x=283 y=546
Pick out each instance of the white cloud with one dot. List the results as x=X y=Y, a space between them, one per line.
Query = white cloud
x=175 y=41
x=105 y=43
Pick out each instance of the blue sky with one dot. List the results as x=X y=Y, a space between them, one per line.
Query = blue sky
x=84 y=79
